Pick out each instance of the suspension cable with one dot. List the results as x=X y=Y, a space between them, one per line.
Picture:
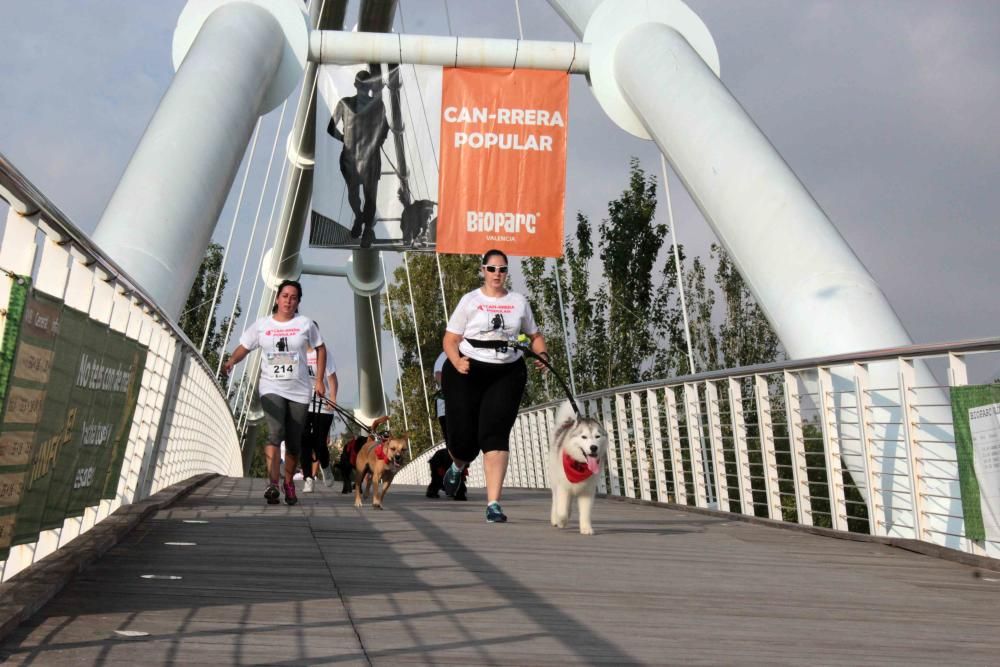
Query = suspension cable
x=378 y=357
x=562 y=315
x=263 y=251
x=420 y=356
x=253 y=232
x=229 y=240
x=677 y=264
x=395 y=349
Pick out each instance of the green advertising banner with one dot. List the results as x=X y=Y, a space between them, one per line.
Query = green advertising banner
x=70 y=397
x=15 y=447
x=975 y=411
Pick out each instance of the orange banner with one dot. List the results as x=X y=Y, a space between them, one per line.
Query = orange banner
x=503 y=161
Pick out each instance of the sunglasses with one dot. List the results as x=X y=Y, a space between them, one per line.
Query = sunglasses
x=493 y=269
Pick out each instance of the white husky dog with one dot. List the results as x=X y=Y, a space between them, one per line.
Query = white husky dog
x=575 y=455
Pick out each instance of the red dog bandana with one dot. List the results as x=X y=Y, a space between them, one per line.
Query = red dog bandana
x=577 y=471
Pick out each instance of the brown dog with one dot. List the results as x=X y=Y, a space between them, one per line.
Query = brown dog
x=381 y=459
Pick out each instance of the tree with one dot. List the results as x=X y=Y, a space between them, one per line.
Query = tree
x=611 y=332
x=625 y=329
x=200 y=310
x=629 y=246
x=745 y=336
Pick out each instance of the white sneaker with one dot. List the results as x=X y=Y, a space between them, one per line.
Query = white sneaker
x=307 y=486
x=327 y=474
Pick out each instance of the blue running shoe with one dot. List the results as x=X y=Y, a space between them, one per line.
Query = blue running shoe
x=494 y=513
x=452 y=478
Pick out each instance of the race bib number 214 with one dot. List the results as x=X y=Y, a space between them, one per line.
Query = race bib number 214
x=280 y=365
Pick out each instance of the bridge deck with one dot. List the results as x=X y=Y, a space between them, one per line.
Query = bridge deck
x=430 y=582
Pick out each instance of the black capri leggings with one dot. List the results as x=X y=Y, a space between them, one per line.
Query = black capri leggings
x=314 y=442
x=481 y=406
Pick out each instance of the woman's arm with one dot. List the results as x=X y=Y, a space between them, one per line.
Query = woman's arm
x=236 y=357
x=538 y=347
x=320 y=363
x=450 y=345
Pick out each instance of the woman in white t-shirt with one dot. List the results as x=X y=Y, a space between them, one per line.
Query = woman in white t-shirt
x=285 y=386
x=483 y=380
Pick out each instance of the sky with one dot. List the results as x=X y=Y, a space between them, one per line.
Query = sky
x=885 y=109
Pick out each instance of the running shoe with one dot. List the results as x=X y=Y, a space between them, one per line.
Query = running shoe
x=494 y=513
x=290 y=497
x=271 y=494
x=307 y=485
x=327 y=476
x=450 y=481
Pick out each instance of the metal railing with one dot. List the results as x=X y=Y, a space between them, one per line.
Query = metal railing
x=816 y=442
x=182 y=424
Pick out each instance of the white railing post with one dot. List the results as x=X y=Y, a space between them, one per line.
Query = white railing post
x=642 y=460
x=740 y=446
x=876 y=524
x=591 y=409
x=614 y=480
x=831 y=448
x=676 y=456
x=765 y=426
x=796 y=446
x=533 y=462
x=550 y=431
x=713 y=409
x=625 y=445
x=695 y=445
x=517 y=454
x=909 y=418
x=656 y=442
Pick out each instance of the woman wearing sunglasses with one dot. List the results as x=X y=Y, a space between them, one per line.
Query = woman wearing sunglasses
x=483 y=379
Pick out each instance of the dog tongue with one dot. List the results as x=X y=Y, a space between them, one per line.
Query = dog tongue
x=593 y=464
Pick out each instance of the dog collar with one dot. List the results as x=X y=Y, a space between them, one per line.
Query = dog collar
x=575 y=470
x=380 y=453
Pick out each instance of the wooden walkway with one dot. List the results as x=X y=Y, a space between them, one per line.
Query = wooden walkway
x=429 y=582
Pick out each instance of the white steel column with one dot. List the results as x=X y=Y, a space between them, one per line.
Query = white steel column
x=161 y=216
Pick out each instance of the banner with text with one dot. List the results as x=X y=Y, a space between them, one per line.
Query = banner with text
x=68 y=402
x=976 y=414
x=503 y=161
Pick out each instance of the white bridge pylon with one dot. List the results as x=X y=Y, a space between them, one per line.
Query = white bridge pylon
x=653 y=68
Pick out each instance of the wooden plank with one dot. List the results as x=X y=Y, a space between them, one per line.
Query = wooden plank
x=429 y=582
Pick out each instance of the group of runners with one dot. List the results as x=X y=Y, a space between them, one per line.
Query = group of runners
x=482 y=380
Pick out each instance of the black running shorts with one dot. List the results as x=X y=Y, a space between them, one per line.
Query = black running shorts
x=482 y=406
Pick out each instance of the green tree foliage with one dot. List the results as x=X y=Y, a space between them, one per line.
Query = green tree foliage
x=199 y=311
x=745 y=335
x=427 y=317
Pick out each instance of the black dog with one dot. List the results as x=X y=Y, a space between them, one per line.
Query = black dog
x=439 y=463
x=347 y=459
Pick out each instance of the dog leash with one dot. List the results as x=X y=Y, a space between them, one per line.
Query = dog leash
x=348 y=418
x=521 y=343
